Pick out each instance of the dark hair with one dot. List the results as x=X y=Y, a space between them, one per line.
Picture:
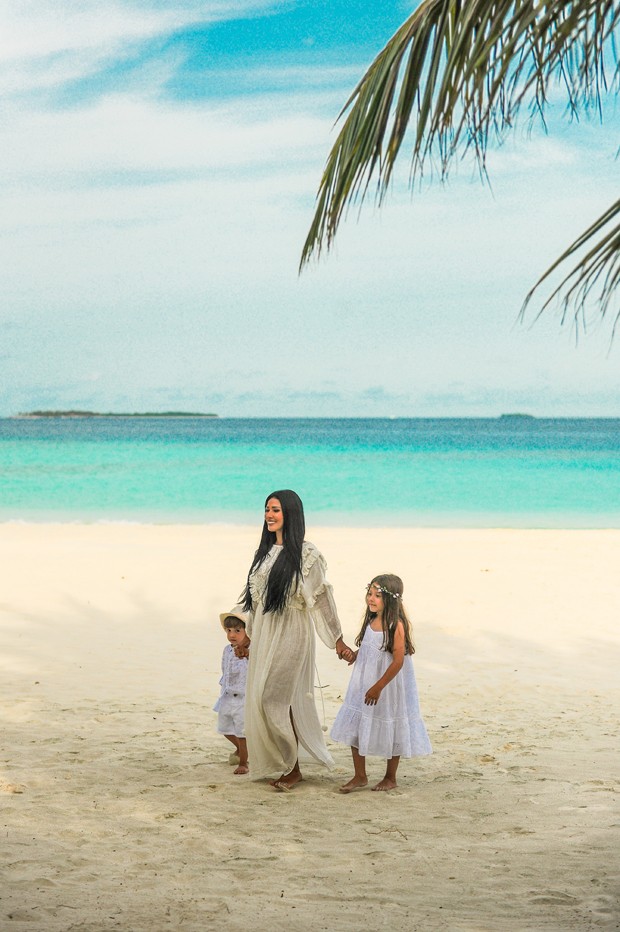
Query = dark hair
x=393 y=612
x=286 y=570
x=233 y=622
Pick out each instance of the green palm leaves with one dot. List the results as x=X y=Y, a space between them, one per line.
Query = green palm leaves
x=457 y=73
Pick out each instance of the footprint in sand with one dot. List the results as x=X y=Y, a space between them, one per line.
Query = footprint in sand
x=554 y=898
x=604 y=906
x=600 y=786
x=11 y=788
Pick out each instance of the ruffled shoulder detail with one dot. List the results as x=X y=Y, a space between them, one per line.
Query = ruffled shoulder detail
x=313 y=570
x=309 y=556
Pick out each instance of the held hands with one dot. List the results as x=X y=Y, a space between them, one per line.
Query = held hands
x=372 y=695
x=345 y=653
x=242 y=650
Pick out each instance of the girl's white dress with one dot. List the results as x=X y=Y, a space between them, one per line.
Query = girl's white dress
x=391 y=728
x=281 y=668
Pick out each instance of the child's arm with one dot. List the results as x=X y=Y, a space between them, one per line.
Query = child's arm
x=398 y=653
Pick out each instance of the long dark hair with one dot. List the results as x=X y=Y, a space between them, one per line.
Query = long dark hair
x=286 y=570
x=393 y=612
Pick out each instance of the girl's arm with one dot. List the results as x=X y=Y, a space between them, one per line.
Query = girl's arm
x=398 y=654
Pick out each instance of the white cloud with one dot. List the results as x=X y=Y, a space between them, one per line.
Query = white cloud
x=36 y=28
x=125 y=134
x=44 y=44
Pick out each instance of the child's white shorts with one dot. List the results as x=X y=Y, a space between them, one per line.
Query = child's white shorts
x=230 y=719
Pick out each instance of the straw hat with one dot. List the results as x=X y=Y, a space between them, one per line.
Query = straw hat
x=236 y=612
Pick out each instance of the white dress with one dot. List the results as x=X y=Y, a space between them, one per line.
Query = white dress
x=281 y=668
x=391 y=728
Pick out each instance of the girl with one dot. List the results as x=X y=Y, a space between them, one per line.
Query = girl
x=380 y=714
x=286 y=596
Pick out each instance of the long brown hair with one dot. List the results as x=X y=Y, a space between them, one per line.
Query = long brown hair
x=393 y=612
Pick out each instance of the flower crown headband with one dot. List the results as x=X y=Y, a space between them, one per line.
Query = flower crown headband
x=394 y=595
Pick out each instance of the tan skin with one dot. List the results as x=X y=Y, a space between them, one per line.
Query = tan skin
x=274 y=519
x=238 y=638
x=374 y=600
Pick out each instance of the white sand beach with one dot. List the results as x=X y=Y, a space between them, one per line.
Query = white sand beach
x=119 y=807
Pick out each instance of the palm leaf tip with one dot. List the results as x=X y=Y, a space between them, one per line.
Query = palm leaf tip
x=595 y=277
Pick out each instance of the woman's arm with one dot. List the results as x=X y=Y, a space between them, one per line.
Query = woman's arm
x=319 y=598
x=327 y=624
x=344 y=652
x=242 y=650
x=398 y=653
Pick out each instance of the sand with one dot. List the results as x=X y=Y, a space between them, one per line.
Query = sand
x=119 y=807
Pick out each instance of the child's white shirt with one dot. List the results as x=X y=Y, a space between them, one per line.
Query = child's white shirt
x=234 y=673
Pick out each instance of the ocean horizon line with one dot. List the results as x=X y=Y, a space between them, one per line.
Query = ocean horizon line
x=507 y=416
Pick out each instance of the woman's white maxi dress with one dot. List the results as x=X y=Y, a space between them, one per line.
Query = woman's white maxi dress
x=281 y=667
x=391 y=728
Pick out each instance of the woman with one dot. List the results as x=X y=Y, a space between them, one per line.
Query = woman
x=286 y=595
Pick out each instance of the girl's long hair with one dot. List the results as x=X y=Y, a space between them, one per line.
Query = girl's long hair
x=286 y=569
x=393 y=612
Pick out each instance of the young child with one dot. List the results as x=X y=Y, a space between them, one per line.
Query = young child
x=229 y=706
x=380 y=714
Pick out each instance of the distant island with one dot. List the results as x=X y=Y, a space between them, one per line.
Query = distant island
x=72 y=413
x=517 y=417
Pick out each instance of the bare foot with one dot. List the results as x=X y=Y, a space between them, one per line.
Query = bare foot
x=242 y=768
x=385 y=785
x=355 y=783
x=287 y=781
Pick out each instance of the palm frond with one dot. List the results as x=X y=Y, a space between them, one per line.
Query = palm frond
x=596 y=275
x=456 y=74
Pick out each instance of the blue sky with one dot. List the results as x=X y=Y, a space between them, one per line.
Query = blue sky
x=158 y=168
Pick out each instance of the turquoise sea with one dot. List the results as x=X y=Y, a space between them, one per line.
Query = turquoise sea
x=491 y=472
